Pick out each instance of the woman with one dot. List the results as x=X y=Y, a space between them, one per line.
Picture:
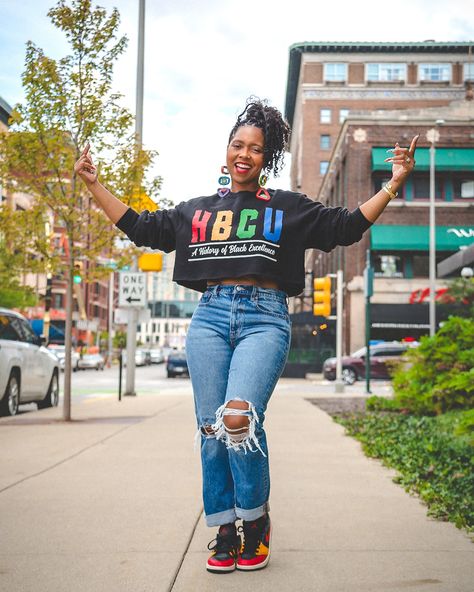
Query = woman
x=243 y=248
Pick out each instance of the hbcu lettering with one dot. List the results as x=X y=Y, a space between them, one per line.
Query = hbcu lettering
x=199 y=226
x=245 y=216
x=222 y=227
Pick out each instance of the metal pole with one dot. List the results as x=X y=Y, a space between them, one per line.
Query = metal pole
x=120 y=375
x=140 y=73
x=68 y=344
x=133 y=313
x=368 y=288
x=339 y=385
x=432 y=260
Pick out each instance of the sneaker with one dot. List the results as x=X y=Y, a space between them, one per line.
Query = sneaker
x=255 y=552
x=225 y=549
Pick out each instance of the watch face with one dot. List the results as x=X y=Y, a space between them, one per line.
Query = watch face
x=360 y=135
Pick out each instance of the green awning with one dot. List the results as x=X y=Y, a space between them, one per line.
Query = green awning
x=446 y=159
x=385 y=237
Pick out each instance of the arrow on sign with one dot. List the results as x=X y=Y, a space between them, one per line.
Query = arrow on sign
x=130 y=299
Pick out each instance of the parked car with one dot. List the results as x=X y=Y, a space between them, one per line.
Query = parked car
x=28 y=371
x=177 y=364
x=93 y=361
x=142 y=357
x=60 y=352
x=157 y=356
x=353 y=366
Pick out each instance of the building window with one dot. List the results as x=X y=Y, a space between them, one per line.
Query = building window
x=421 y=263
x=323 y=167
x=435 y=72
x=421 y=187
x=325 y=142
x=469 y=71
x=325 y=116
x=386 y=72
x=463 y=188
x=388 y=265
x=343 y=113
x=335 y=72
x=57 y=301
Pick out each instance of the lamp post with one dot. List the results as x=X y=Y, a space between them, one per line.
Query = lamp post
x=133 y=313
x=432 y=135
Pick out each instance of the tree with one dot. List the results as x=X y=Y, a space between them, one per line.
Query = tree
x=69 y=102
x=20 y=252
x=461 y=293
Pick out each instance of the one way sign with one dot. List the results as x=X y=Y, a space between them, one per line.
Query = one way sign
x=132 y=289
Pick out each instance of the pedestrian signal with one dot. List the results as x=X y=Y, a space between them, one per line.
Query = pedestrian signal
x=322 y=297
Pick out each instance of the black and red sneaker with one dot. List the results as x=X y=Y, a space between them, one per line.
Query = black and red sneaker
x=225 y=549
x=255 y=551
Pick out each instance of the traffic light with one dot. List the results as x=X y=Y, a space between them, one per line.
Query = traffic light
x=150 y=262
x=78 y=272
x=322 y=296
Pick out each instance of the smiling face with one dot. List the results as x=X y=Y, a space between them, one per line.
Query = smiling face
x=245 y=158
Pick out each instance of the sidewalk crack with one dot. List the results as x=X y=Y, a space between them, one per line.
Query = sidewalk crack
x=178 y=569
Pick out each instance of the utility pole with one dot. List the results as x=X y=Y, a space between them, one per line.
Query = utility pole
x=432 y=136
x=133 y=312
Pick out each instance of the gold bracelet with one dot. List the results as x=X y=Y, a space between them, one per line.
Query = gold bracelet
x=388 y=189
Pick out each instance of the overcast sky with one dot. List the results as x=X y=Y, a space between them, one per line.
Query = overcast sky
x=204 y=58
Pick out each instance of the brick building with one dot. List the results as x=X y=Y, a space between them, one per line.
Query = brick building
x=399 y=241
x=347 y=103
x=328 y=80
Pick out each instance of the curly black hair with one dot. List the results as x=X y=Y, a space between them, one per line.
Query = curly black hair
x=276 y=131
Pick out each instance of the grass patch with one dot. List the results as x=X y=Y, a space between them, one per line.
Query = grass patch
x=434 y=457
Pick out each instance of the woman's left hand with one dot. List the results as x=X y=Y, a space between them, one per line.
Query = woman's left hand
x=403 y=161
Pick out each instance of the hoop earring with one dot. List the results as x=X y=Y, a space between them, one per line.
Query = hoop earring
x=224 y=180
x=262 y=193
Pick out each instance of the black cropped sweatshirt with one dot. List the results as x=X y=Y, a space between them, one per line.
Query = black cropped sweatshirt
x=240 y=235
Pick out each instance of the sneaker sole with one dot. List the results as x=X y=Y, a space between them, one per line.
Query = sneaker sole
x=254 y=567
x=259 y=565
x=219 y=570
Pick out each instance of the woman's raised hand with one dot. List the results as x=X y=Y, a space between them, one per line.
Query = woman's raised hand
x=85 y=168
x=403 y=161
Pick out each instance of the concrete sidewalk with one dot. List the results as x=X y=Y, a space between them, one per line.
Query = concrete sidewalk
x=112 y=502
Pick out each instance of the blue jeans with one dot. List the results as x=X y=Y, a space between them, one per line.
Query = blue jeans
x=236 y=347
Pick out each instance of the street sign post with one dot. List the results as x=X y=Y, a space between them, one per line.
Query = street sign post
x=132 y=289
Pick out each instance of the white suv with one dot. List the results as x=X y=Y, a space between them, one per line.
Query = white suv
x=28 y=371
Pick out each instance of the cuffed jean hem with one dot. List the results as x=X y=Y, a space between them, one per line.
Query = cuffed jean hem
x=254 y=513
x=220 y=518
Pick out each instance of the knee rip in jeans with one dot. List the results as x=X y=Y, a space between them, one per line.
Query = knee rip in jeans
x=235 y=425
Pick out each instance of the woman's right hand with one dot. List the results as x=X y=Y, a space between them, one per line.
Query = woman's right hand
x=85 y=168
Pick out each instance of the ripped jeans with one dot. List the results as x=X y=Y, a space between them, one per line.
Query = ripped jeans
x=236 y=348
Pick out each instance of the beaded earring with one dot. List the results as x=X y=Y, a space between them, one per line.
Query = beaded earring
x=262 y=193
x=224 y=180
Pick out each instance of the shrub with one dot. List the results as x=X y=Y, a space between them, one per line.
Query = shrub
x=431 y=459
x=439 y=374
